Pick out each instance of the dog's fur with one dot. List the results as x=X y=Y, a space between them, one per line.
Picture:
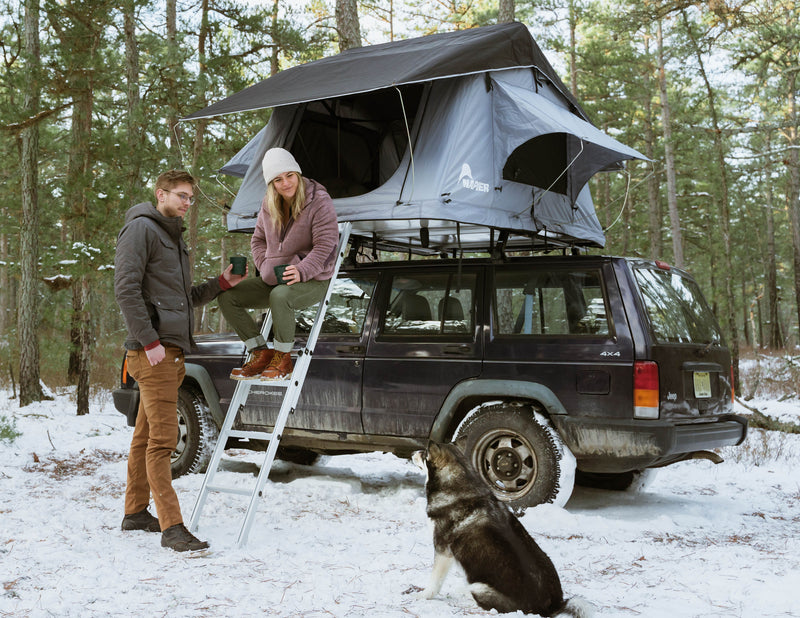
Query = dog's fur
x=505 y=568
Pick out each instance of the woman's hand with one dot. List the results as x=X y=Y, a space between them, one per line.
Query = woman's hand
x=291 y=275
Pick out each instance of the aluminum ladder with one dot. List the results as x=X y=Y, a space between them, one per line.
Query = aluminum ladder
x=294 y=386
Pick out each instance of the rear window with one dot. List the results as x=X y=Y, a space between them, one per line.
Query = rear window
x=677 y=310
x=566 y=302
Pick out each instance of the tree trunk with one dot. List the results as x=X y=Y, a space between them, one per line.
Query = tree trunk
x=197 y=146
x=506 y=12
x=793 y=162
x=274 y=66
x=134 y=118
x=30 y=388
x=173 y=75
x=347 y=24
x=725 y=215
x=653 y=200
x=669 y=157
x=573 y=54
x=774 y=339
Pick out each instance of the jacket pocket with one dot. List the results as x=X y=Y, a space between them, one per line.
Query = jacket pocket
x=171 y=316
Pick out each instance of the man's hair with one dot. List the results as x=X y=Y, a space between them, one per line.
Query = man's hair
x=168 y=180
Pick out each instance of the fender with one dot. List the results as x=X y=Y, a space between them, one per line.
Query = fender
x=501 y=389
x=210 y=394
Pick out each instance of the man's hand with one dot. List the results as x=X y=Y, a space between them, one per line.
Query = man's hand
x=234 y=279
x=156 y=355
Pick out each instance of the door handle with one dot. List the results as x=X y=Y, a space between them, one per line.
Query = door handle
x=461 y=348
x=350 y=349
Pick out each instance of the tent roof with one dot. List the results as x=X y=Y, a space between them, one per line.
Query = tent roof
x=365 y=69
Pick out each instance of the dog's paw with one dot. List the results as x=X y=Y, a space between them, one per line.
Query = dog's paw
x=412 y=589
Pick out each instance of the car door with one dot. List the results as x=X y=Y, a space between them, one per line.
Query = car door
x=424 y=342
x=331 y=395
x=560 y=324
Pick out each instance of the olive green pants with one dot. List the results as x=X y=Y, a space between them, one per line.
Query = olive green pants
x=282 y=300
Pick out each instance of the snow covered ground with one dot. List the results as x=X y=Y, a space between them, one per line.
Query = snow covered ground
x=348 y=536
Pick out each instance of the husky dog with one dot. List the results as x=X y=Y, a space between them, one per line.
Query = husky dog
x=505 y=568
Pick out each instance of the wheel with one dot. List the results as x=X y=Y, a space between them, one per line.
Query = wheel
x=519 y=455
x=197 y=434
x=301 y=456
x=632 y=481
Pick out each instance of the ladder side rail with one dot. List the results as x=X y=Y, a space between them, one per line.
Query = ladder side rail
x=240 y=395
x=292 y=395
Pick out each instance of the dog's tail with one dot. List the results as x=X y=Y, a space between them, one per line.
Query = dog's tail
x=576 y=607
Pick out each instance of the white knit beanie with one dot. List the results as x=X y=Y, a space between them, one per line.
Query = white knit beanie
x=278 y=161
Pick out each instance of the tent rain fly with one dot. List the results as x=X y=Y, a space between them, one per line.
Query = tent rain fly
x=469 y=135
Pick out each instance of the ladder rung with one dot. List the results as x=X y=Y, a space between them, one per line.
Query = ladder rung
x=252 y=435
x=230 y=490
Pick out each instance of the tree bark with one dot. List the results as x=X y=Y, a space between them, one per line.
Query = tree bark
x=30 y=388
x=774 y=339
x=134 y=117
x=793 y=163
x=724 y=205
x=347 y=24
x=172 y=82
x=505 y=13
x=653 y=200
x=669 y=157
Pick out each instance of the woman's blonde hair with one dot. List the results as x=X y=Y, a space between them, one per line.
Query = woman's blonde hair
x=274 y=201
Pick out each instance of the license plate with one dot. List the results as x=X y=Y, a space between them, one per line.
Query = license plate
x=702 y=384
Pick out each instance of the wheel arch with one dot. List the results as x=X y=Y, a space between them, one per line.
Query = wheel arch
x=198 y=377
x=470 y=393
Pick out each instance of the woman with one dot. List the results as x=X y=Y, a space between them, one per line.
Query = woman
x=296 y=226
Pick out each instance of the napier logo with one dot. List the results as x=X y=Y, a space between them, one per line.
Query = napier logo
x=468 y=182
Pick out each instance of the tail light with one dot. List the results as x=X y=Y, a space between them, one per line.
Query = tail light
x=125 y=378
x=645 y=389
x=733 y=392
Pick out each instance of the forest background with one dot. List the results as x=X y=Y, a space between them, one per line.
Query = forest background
x=91 y=93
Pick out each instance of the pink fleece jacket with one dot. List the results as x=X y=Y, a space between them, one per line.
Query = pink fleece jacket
x=308 y=242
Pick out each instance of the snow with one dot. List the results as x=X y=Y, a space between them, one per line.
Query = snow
x=348 y=536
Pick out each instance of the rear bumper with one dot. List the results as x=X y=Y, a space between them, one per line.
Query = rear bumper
x=126 y=401
x=619 y=445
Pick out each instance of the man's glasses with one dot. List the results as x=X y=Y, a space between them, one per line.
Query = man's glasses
x=184 y=197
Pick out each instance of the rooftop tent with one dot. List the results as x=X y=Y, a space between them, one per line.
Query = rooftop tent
x=468 y=134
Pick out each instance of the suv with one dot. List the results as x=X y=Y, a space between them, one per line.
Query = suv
x=544 y=370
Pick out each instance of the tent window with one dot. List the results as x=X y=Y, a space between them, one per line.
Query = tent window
x=353 y=144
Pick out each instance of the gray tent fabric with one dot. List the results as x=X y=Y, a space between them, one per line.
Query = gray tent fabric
x=375 y=67
x=465 y=157
x=240 y=163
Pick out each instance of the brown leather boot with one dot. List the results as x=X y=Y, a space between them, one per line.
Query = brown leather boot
x=279 y=367
x=259 y=359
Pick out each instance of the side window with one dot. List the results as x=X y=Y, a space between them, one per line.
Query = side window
x=347 y=309
x=566 y=302
x=436 y=304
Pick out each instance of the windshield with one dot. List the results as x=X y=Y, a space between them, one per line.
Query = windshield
x=676 y=307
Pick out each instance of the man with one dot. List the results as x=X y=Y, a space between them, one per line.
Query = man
x=155 y=293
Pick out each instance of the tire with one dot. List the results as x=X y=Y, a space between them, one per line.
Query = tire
x=197 y=434
x=632 y=481
x=518 y=454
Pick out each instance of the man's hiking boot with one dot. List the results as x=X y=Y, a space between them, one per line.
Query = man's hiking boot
x=142 y=520
x=259 y=359
x=177 y=537
x=279 y=367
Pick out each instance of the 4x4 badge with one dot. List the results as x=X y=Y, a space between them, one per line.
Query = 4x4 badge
x=610 y=353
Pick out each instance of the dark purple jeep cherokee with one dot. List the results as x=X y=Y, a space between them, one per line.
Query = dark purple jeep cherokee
x=545 y=370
